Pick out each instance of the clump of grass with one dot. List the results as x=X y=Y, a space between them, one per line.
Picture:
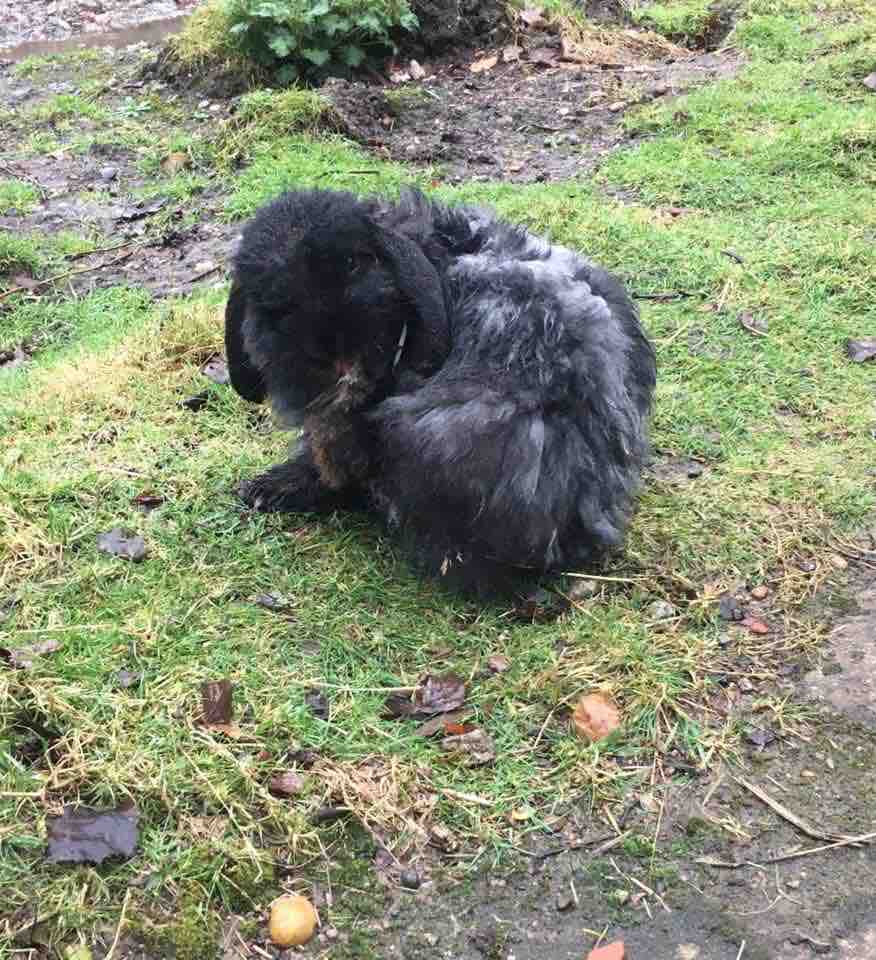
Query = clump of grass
x=264 y=117
x=66 y=107
x=205 y=38
x=17 y=196
x=18 y=252
x=34 y=66
x=682 y=21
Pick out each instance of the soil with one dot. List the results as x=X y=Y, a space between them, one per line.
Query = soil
x=519 y=121
x=531 y=120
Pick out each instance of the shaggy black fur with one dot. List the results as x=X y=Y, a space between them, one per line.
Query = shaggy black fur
x=487 y=392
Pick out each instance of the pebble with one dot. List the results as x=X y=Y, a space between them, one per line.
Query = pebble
x=565 y=902
x=410 y=880
x=660 y=610
x=108 y=173
x=760 y=593
x=729 y=608
x=583 y=589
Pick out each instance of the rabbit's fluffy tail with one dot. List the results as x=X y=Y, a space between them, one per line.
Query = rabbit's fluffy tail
x=479 y=480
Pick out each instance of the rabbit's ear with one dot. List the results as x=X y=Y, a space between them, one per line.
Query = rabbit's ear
x=245 y=378
x=429 y=335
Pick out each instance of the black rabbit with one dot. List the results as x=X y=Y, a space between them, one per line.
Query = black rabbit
x=486 y=391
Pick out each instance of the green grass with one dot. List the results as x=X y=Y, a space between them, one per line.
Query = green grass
x=775 y=167
x=682 y=21
x=17 y=196
x=67 y=107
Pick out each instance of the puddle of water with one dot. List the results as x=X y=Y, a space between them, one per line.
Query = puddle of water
x=149 y=32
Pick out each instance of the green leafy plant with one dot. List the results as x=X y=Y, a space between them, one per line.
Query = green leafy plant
x=310 y=37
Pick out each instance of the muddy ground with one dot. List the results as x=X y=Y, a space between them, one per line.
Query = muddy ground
x=534 y=118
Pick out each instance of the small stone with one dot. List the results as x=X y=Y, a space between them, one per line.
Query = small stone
x=580 y=590
x=870 y=82
x=108 y=173
x=410 y=880
x=616 y=107
x=838 y=562
x=760 y=593
x=660 y=610
x=729 y=608
x=565 y=902
x=416 y=71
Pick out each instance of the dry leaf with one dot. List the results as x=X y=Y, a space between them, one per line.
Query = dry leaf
x=498 y=663
x=861 y=350
x=317 y=703
x=83 y=835
x=175 y=162
x=287 y=783
x=439 y=724
x=532 y=16
x=595 y=716
x=148 y=501
x=753 y=324
x=434 y=694
x=543 y=56
x=476 y=746
x=485 y=63
x=570 y=50
x=123 y=544
x=216 y=702
x=23 y=657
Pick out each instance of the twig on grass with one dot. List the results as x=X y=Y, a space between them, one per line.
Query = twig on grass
x=29 y=287
x=115 y=942
x=795 y=819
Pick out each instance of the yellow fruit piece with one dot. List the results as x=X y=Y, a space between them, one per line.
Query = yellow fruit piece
x=293 y=921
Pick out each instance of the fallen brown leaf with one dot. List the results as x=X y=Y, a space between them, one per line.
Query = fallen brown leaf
x=287 y=783
x=23 y=658
x=83 y=835
x=544 y=56
x=148 y=501
x=175 y=162
x=476 y=747
x=862 y=350
x=485 y=63
x=216 y=702
x=123 y=544
x=433 y=694
x=439 y=724
x=595 y=716
x=498 y=663
x=532 y=16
